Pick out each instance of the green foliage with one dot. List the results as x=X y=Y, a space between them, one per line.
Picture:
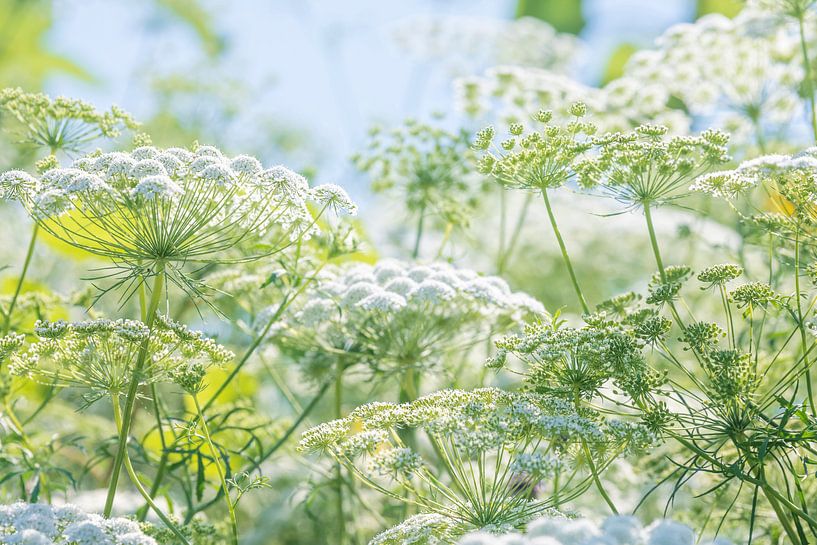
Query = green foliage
x=564 y=15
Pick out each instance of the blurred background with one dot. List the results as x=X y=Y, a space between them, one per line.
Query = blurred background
x=293 y=81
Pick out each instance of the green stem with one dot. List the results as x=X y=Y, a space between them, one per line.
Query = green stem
x=130 y=400
x=654 y=243
x=8 y=408
x=261 y=337
x=409 y=391
x=117 y=415
x=415 y=253
x=503 y=213
x=338 y=467
x=800 y=322
x=29 y=254
x=597 y=480
x=593 y=471
x=517 y=231
x=245 y=358
x=660 y=262
x=222 y=479
x=294 y=426
x=807 y=65
x=565 y=257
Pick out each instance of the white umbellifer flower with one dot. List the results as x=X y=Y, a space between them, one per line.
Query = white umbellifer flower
x=317 y=311
x=154 y=211
x=158 y=186
x=468 y=43
x=246 y=165
x=394 y=312
x=402 y=285
x=17 y=185
x=718 y=64
x=36 y=524
x=147 y=167
x=432 y=291
x=725 y=184
x=564 y=530
x=383 y=301
x=100 y=355
x=614 y=530
x=334 y=197
x=622 y=529
x=424 y=529
x=668 y=532
x=503 y=445
x=359 y=291
x=517 y=92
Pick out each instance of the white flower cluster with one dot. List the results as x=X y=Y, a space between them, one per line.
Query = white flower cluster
x=615 y=530
x=41 y=524
x=506 y=446
x=392 y=285
x=425 y=529
x=470 y=423
x=372 y=308
x=17 y=185
x=719 y=64
x=238 y=189
x=796 y=172
x=516 y=92
x=100 y=355
x=469 y=43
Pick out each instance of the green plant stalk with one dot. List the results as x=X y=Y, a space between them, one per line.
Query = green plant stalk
x=245 y=358
x=807 y=65
x=117 y=414
x=32 y=243
x=226 y=382
x=130 y=400
x=517 y=231
x=800 y=323
x=503 y=213
x=565 y=257
x=660 y=262
x=222 y=479
x=9 y=410
x=338 y=467
x=418 y=237
x=259 y=339
x=654 y=243
x=288 y=433
x=596 y=479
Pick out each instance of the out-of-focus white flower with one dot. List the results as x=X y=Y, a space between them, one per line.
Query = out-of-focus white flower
x=465 y=44
x=614 y=530
x=40 y=524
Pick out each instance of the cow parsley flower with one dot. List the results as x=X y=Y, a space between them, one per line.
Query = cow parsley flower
x=514 y=93
x=646 y=167
x=155 y=211
x=40 y=524
x=426 y=167
x=614 y=530
x=542 y=159
x=468 y=43
x=100 y=355
x=62 y=124
x=395 y=315
x=425 y=529
x=788 y=180
x=17 y=185
x=491 y=444
x=718 y=63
